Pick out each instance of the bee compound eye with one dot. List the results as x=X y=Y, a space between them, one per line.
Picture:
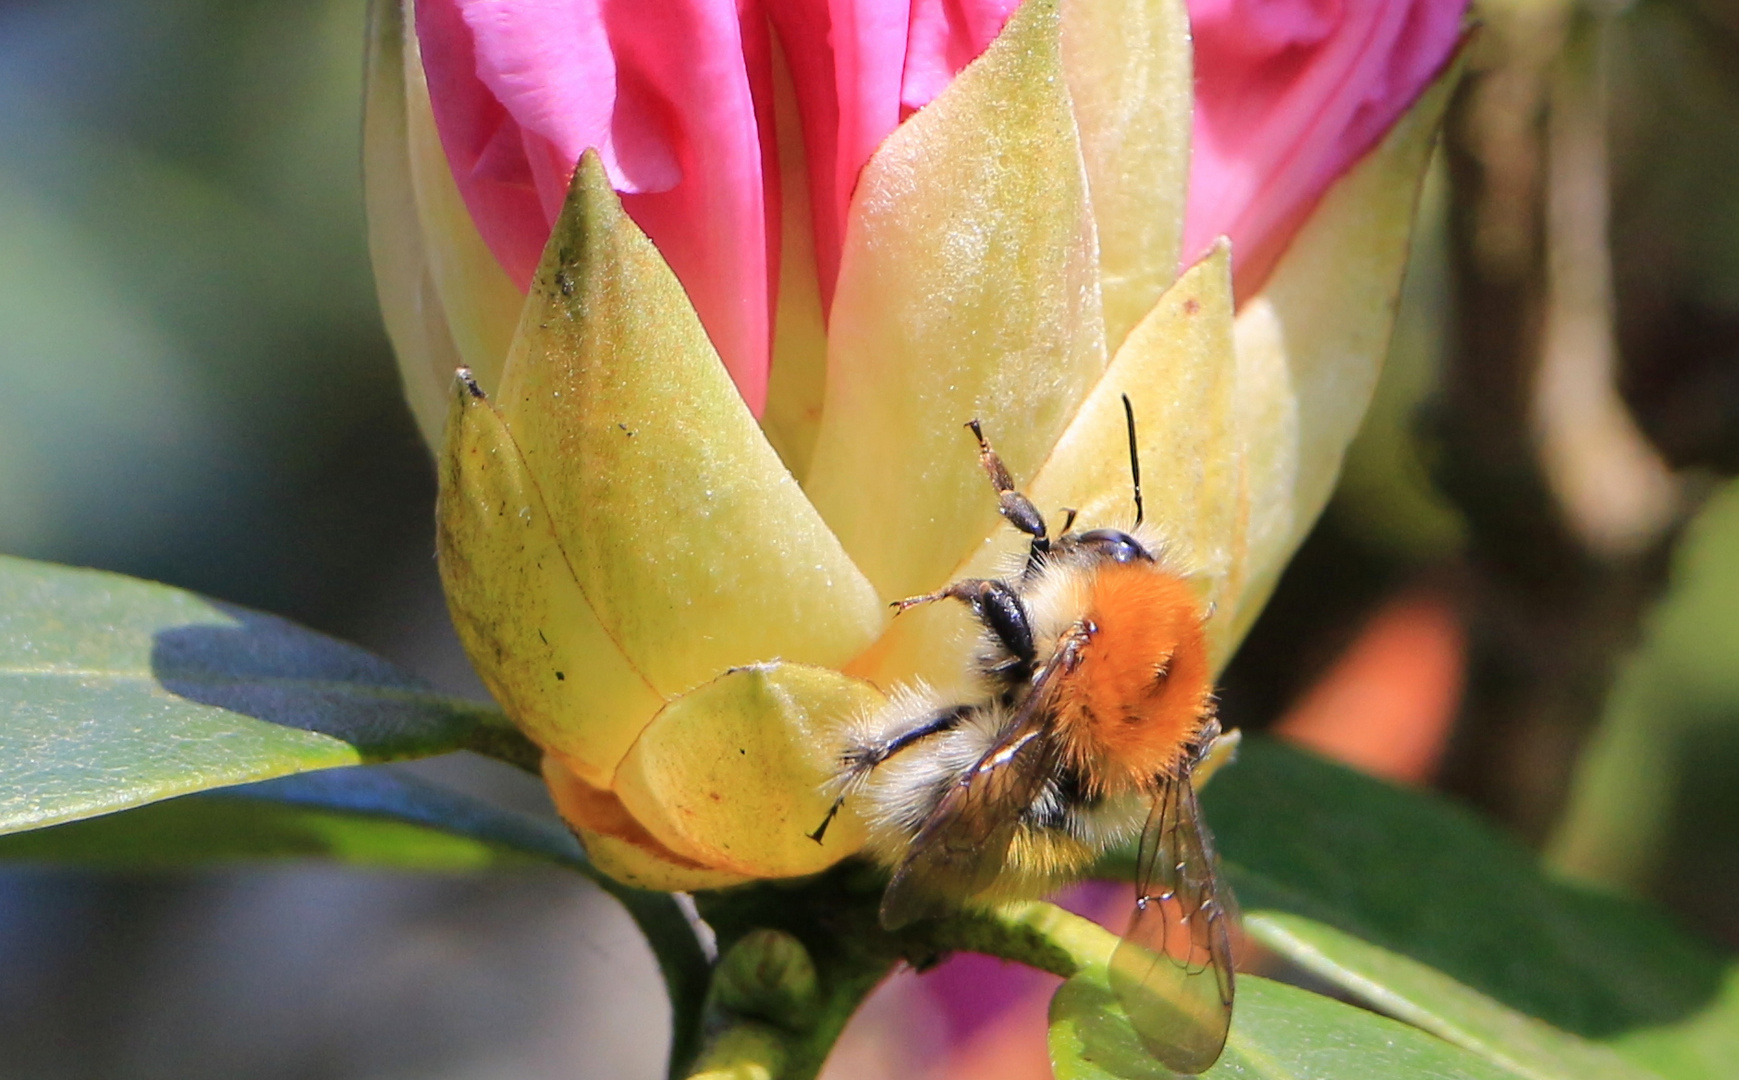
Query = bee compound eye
x=1113 y=545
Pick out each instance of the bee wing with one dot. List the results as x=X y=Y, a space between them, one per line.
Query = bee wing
x=1172 y=972
x=964 y=843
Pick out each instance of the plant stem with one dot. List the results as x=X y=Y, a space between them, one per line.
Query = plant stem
x=834 y=916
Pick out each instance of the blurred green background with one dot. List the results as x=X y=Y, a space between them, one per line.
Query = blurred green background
x=197 y=389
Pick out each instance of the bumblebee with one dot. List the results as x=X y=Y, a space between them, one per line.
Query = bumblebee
x=1094 y=706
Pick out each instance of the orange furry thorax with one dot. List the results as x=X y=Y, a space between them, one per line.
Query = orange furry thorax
x=1141 y=689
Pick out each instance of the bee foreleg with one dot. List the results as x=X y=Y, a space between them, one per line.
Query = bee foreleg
x=995 y=604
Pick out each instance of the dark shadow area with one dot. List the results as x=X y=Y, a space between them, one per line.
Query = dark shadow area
x=381 y=816
x=1699 y=867
x=273 y=670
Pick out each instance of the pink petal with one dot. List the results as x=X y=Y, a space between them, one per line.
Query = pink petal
x=860 y=67
x=483 y=143
x=971 y=991
x=945 y=36
x=667 y=92
x=803 y=28
x=1289 y=94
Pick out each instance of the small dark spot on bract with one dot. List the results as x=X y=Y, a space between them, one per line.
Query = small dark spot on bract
x=561 y=677
x=565 y=282
x=715 y=796
x=740 y=750
x=1191 y=306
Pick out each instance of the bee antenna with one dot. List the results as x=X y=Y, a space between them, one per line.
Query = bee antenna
x=1134 y=459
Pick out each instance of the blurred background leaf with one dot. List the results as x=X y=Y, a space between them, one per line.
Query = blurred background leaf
x=200 y=393
x=199 y=390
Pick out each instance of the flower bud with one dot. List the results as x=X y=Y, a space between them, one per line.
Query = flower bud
x=727 y=279
x=768 y=974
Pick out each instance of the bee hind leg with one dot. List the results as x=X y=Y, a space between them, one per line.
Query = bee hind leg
x=860 y=760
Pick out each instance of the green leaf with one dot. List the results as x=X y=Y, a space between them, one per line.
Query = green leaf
x=362 y=816
x=116 y=692
x=1704 y=1044
x=1409 y=991
x=1278 y=1032
x=1417 y=875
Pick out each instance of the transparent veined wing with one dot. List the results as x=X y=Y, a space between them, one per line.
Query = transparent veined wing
x=964 y=844
x=1172 y=972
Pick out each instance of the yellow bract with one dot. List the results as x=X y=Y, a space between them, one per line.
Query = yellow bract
x=1178 y=369
x=634 y=865
x=481 y=302
x=1128 y=66
x=690 y=540
x=619 y=845
x=1243 y=422
x=968 y=288
x=732 y=775
x=531 y=632
x=614 y=533
x=798 y=377
x=409 y=302
x=642 y=582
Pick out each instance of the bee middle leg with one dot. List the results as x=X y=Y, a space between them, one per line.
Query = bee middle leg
x=1011 y=504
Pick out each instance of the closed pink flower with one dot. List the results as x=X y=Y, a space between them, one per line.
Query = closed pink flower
x=884 y=219
x=679 y=97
